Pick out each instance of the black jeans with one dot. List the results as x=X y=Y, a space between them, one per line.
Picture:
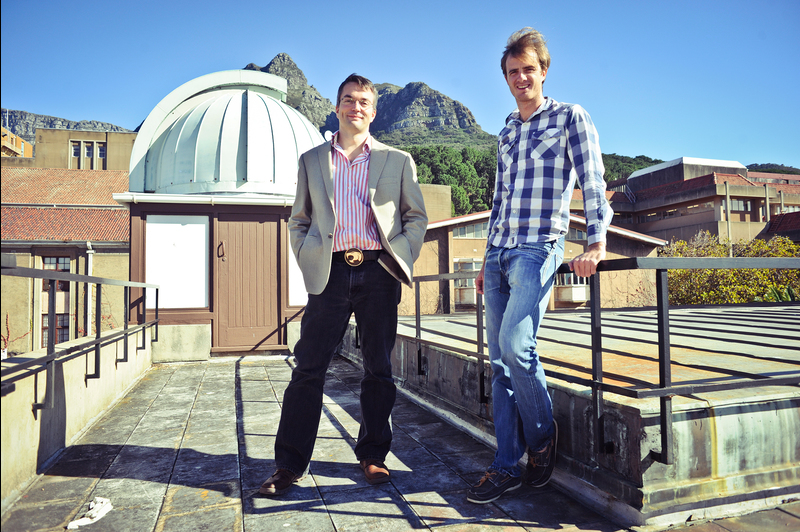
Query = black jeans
x=372 y=294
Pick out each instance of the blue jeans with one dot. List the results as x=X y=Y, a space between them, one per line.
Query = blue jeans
x=517 y=285
x=372 y=294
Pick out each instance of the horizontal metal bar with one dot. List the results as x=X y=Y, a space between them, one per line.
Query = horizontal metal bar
x=658 y=263
x=73 y=277
x=419 y=341
x=447 y=276
x=699 y=263
x=688 y=389
x=71 y=352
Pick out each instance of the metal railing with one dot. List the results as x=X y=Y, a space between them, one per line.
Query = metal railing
x=665 y=390
x=11 y=374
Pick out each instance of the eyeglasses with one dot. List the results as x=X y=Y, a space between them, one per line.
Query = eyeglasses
x=351 y=102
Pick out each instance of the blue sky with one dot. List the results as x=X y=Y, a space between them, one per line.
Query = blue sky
x=710 y=79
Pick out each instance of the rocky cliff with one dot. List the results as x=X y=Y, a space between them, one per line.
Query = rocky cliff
x=301 y=96
x=24 y=124
x=411 y=115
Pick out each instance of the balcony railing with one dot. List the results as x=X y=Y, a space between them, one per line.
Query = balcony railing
x=665 y=390
x=56 y=356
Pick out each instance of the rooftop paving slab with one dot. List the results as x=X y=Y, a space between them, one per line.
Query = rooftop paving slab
x=188 y=447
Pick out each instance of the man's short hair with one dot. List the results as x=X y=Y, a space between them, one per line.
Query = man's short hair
x=523 y=41
x=363 y=83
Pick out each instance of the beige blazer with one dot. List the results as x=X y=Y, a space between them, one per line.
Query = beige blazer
x=396 y=201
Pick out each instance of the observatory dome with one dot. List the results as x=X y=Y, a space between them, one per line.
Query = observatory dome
x=224 y=133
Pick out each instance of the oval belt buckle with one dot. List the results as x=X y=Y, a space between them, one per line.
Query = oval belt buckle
x=354 y=257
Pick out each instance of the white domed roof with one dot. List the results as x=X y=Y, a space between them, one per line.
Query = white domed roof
x=223 y=133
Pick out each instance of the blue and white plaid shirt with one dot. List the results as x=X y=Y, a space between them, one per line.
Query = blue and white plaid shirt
x=538 y=162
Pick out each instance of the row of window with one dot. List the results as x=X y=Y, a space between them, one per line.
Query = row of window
x=562 y=279
x=481 y=230
x=89 y=149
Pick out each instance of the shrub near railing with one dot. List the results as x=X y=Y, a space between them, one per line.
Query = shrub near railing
x=721 y=286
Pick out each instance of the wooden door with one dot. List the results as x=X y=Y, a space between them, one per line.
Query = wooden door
x=247 y=288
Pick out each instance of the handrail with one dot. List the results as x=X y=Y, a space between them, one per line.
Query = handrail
x=53 y=356
x=665 y=390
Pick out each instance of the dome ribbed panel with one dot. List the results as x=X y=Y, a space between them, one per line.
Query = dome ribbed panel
x=229 y=140
x=260 y=145
x=207 y=158
x=233 y=144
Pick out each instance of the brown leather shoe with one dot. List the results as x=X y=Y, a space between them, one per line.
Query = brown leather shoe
x=375 y=471
x=279 y=482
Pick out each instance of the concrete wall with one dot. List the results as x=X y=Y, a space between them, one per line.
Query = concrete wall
x=54 y=149
x=22 y=297
x=183 y=343
x=16 y=309
x=438 y=202
x=32 y=438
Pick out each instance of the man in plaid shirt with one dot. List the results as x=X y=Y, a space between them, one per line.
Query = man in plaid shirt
x=545 y=147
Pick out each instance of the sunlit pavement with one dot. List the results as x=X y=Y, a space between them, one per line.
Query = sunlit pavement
x=188 y=447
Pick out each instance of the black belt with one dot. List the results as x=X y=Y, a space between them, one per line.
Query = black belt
x=355 y=256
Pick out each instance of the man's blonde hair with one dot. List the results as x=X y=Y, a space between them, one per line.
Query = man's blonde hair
x=523 y=41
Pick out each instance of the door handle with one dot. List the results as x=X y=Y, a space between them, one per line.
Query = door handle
x=221 y=251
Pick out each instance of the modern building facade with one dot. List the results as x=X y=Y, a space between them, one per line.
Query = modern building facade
x=76 y=149
x=14 y=145
x=678 y=199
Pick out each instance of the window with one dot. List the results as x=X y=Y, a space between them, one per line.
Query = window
x=101 y=151
x=76 y=149
x=62 y=328
x=571 y=279
x=59 y=264
x=89 y=150
x=738 y=205
x=576 y=234
x=466 y=265
x=480 y=230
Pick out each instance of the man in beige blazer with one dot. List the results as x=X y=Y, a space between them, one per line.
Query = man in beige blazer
x=357 y=226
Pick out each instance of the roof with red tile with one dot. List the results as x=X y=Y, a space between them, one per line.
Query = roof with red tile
x=56 y=186
x=64 y=224
x=784 y=222
x=611 y=196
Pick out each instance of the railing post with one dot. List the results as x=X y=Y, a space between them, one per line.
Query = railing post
x=418 y=310
x=479 y=329
x=97 y=325
x=156 y=338
x=144 y=317
x=50 y=375
x=597 y=364
x=664 y=365
x=126 y=299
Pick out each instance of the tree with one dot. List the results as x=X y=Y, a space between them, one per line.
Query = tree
x=701 y=287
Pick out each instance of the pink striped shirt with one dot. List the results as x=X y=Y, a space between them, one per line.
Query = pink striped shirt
x=355 y=221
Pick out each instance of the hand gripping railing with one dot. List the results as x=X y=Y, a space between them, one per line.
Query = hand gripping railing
x=665 y=390
x=53 y=357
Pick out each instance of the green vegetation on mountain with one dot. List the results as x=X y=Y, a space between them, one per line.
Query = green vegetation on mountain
x=469 y=172
x=773 y=168
x=620 y=166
